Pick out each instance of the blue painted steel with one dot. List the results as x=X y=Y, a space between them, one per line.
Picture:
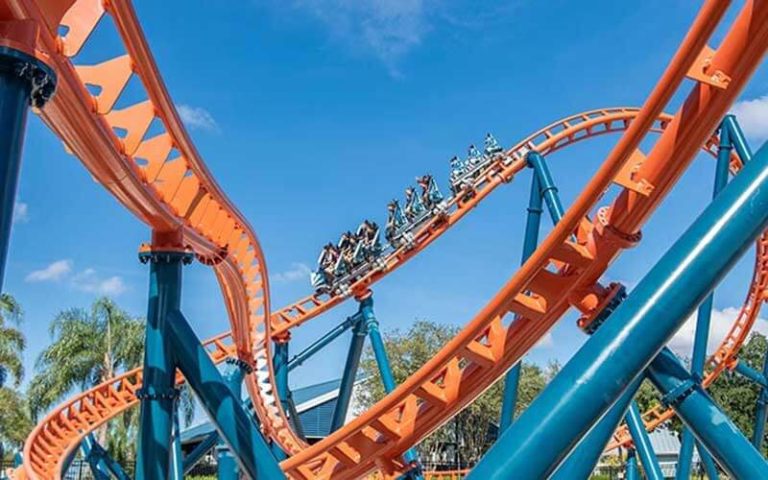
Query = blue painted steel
x=708 y=462
x=632 y=473
x=385 y=371
x=582 y=460
x=719 y=435
x=359 y=333
x=643 y=444
x=18 y=74
x=197 y=454
x=95 y=461
x=542 y=186
x=223 y=407
x=548 y=187
x=158 y=393
x=226 y=465
x=704 y=315
x=685 y=457
x=280 y=364
x=625 y=344
x=321 y=343
x=530 y=241
x=177 y=456
x=99 y=460
x=737 y=138
x=750 y=373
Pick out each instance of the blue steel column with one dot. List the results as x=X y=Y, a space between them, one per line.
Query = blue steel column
x=548 y=188
x=719 y=435
x=321 y=343
x=632 y=336
x=385 y=370
x=280 y=363
x=542 y=186
x=223 y=407
x=704 y=315
x=582 y=460
x=158 y=393
x=226 y=464
x=631 y=467
x=177 y=456
x=531 y=240
x=737 y=138
x=643 y=443
x=349 y=376
x=24 y=81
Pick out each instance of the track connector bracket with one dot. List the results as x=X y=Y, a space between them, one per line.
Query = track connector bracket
x=627 y=176
x=700 y=70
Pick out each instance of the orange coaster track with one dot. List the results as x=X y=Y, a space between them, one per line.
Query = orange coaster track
x=179 y=193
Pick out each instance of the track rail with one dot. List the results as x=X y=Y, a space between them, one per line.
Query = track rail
x=562 y=273
x=161 y=179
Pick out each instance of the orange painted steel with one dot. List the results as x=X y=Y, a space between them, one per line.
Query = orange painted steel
x=561 y=273
x=486 y=348
x=161 y=179
x=446 y=475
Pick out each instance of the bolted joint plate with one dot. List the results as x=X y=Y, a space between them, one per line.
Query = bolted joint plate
x=40 y=78
x=148 y=255
x=241 y=364
x=151 y=393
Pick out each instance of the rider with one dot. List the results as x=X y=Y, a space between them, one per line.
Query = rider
x=410 y=203
x=492 y=145
x=474 y=155
x=328 y=261
x=394 y=219
x=425 y=182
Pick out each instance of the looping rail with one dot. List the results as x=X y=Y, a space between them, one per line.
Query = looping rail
x=164 y=182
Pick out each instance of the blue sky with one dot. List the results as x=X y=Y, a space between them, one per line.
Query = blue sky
x=313 y=114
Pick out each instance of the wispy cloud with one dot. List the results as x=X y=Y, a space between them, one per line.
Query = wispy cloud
x=388 y=29
x=90 y=282
x=52 y=273
x=298 y=271
x=20 y=212
x=87 y=280
x=197 y=118
x=682 y=342
x=753 y=117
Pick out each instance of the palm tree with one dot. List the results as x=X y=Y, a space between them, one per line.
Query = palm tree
x=89 y=347
x=11 y=340
x=15 y=423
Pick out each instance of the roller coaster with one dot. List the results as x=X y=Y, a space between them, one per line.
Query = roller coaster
x=586 y=409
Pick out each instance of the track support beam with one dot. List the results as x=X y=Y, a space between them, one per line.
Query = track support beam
x=542 y=187
x=385 y=371
x=632 y=336
x=359 y=333
x=24 y=81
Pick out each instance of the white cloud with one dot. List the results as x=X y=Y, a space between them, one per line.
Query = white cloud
x=298 y=271
x=547 y=341
x=20 y=212
x=388 y=29
x=682 y=342
x=753 y=118
x=89 y=281
x=53 y=272
x=197 y=118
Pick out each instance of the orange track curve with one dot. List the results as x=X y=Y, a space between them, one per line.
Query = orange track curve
x=570 y=256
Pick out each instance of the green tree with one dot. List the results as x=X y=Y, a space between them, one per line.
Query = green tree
x=88 y=347
x=15 y=422
x=12 y=341
x=735 y=394
x=471 y=428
